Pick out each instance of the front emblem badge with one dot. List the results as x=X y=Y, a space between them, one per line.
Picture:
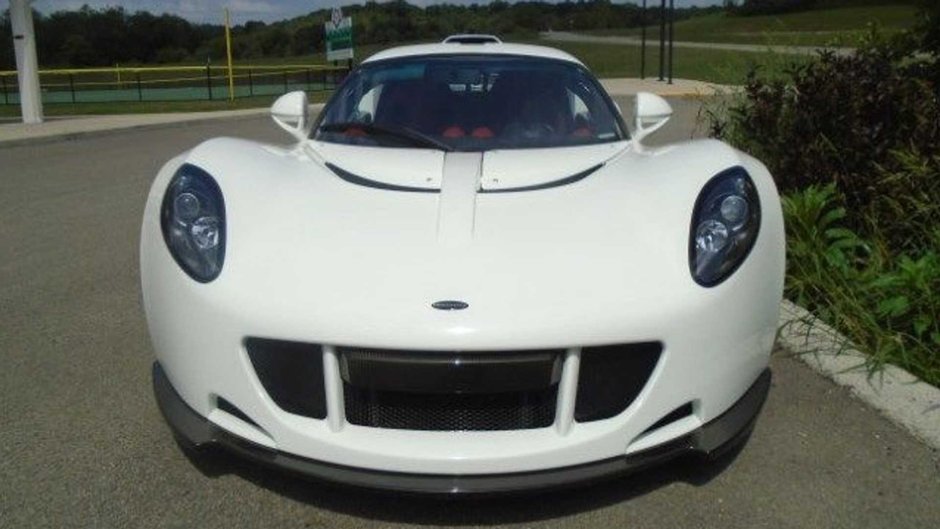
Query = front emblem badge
x=449 y=304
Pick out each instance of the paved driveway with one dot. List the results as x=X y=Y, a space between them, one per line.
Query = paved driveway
x=83 y=443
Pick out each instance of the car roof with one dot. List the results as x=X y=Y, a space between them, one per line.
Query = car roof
x=486 y=48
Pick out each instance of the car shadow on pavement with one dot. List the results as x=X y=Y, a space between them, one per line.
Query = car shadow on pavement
x=464 y=510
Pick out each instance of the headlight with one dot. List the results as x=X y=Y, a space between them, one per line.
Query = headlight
x=724 y=226
x=193 y=220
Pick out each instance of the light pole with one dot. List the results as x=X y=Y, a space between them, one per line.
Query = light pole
x=643 y=41
x=672 y=34
x=27 y=66
x=662 y=40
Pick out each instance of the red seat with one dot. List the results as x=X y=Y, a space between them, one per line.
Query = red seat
x=582 y=132
x=454 y=131
x=482 y=133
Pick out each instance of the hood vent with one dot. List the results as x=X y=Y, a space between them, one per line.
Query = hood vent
x=547 y=185
x=367 y=182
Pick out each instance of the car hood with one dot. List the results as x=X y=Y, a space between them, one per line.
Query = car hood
x=310 y=243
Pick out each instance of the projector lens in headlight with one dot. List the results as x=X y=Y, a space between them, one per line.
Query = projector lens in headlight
x=734 y=210
x=186 y=206
x=724 y=226
x=193 y=221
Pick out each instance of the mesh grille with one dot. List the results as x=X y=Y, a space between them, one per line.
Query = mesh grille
x=512 y=390
x=451 y=412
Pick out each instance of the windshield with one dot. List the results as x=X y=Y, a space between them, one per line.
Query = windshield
x=470 y=103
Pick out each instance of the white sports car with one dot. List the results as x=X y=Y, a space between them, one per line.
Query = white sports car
x=467 y=275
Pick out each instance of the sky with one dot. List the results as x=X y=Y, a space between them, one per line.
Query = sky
x=242 y=10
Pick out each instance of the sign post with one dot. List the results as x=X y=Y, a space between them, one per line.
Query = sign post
x=27 y=65
x=228 y=53
x=339 y=37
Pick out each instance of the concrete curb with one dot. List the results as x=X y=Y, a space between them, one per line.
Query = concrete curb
x=897 y=394
x=680 y=88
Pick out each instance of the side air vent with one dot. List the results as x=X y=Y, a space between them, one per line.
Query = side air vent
x=472 y=39
x=679 y=413
x=231 y=409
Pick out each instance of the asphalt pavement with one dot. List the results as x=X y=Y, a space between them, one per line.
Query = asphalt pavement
x=83 y=443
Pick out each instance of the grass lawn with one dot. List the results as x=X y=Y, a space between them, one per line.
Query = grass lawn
x=839 y=26
x=716 y=66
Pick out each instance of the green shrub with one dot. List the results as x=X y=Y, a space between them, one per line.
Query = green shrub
x=821 y=253
x=904 y=202
x=887 y=307
x=928 y=29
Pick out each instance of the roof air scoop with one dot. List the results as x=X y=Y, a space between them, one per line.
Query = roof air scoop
x=471 y=38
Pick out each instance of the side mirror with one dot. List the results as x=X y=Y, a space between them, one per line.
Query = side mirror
x=291 y=112
x=652 y=112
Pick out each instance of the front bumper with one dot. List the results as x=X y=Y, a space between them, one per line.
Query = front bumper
x=709 y=440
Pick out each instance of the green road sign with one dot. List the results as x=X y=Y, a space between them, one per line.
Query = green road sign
x=339 y=37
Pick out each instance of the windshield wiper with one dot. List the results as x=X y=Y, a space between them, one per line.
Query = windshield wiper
x=412 y=136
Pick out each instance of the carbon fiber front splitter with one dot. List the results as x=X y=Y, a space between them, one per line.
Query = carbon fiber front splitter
x=710 y=440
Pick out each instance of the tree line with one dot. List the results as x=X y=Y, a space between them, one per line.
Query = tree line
x=109 y=36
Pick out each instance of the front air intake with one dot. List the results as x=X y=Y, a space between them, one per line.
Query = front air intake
x=612 y=376
x=291 y=373
x=450 y=391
